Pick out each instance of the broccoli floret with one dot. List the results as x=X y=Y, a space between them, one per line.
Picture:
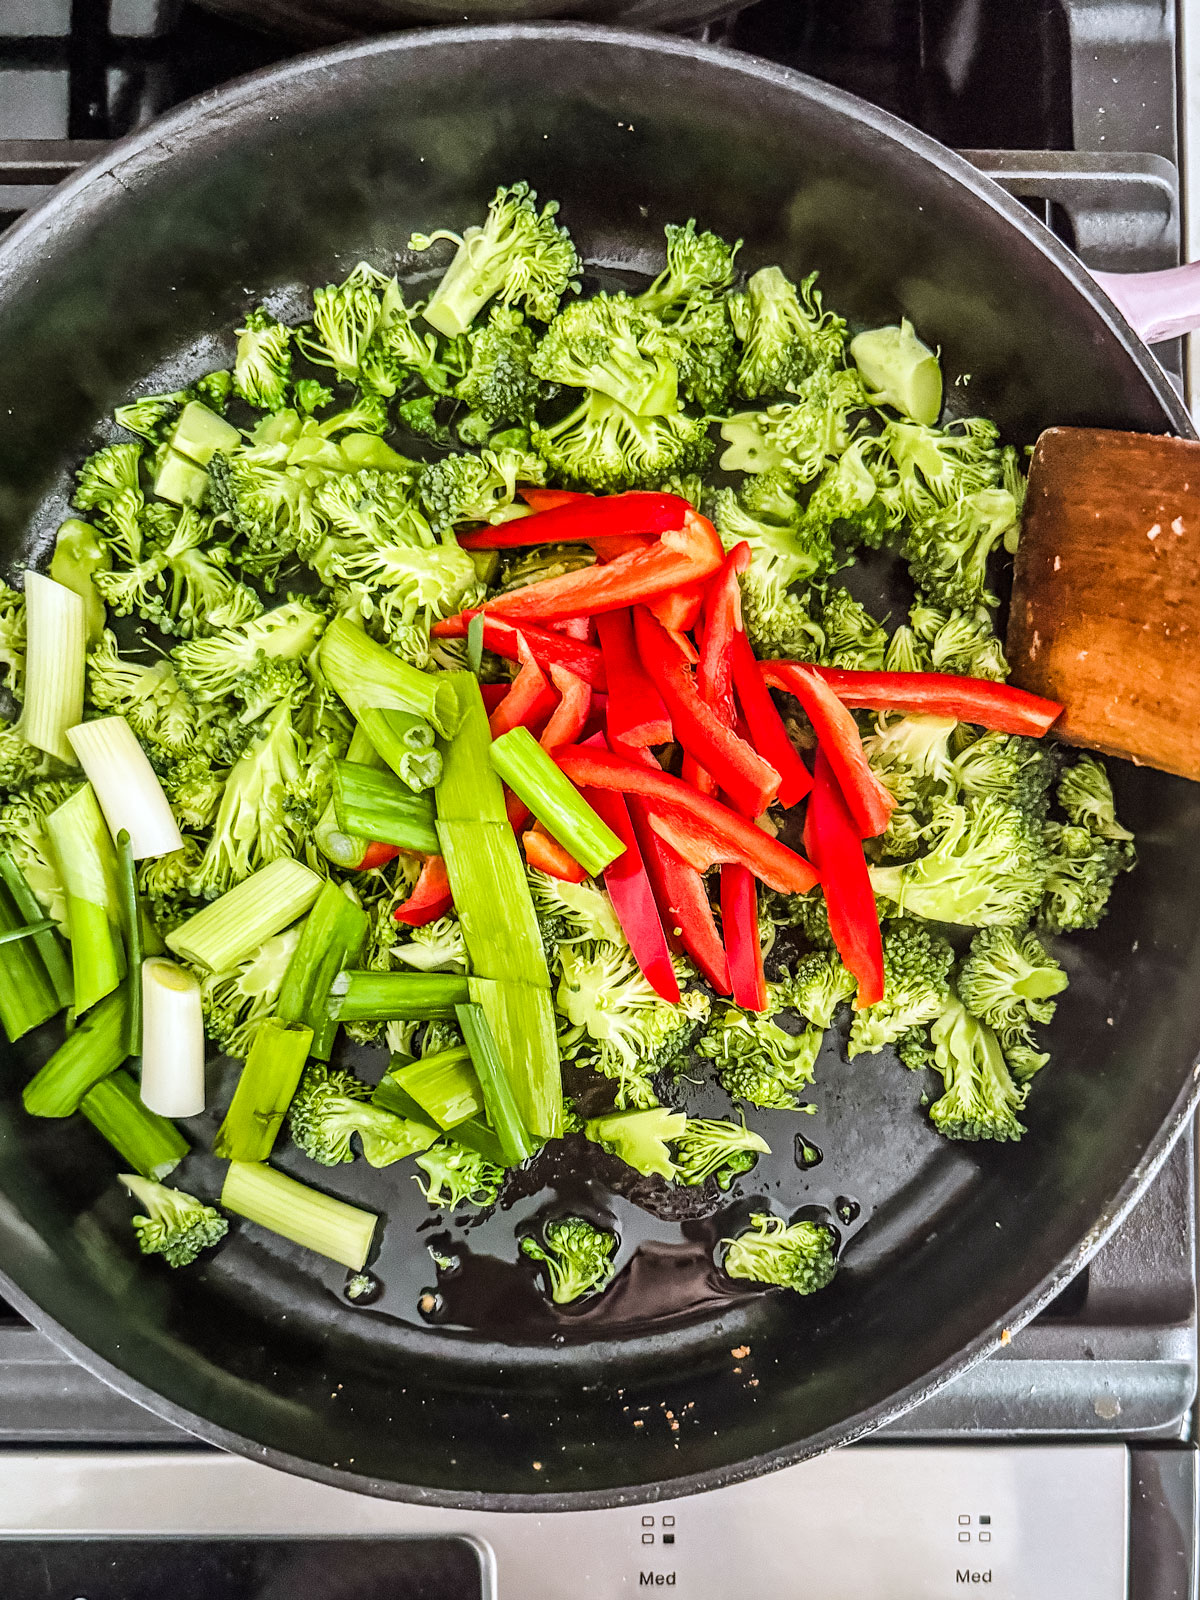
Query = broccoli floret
x=639 y=1138
x=980 y=1098
x=636 y=1033
x=148 y=697
x=986 y=867
x=520 y=257
x=345 y=317
x=934 y=468
x=821 y=982
x=175 y=1224
x=199 y=594
x=703 y=346
x=853 y=638
x=456 y=1176
x=423 y=415
x=211 y=668
x=165 y=882
x=409 y=586
x=1085 y=794
x=785 y=333
x=330 y=1107
x=609 y=344
x=899 y=371
x=846 y=500
x=911 y=755
x=400 y=351
x=962 y=642
x=23 y=836
x=308 y=395
x=785 y=548
x=1080 y=872
x=1009 y=981
x=602 y=446
x=463 y=488
x=152 y=415
x=107 y=475
x=905 y=652
x=916 y=964
x=262 y=368
x=948 y=552
x=779 y=625
x=237 y=1000
x=713 y=1148
x=700 y=266
x=1016 y=769
x=499 y=388
x=212 y=389
x=757 y=1060
x=800 y=436
x=569 y=913
x=194 y=788
x=12 y=639
x=437 y=947
x=577 y=1256
x=268 y=506
x=800 y=1258
x=19 y=760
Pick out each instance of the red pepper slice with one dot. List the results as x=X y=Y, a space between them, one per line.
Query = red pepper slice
x=569 y=717
x=997 y=706
x=492 y=694
x=431 y=897
x=709 y=830
x=548 y=499
x=636 y=715
x=680 y=610
x=832 y=839
x=764 y=725
x=749 y=781
x=620 y=544
x=682 y=555
x=592 y=517
x=528 y=701
x=548 y=856
x=682 y=899
x=574 y=627
x=837 y=734
x=632 y=896
x=720 y=622
x=376 y=855
x=739 y=920
x=546 y=647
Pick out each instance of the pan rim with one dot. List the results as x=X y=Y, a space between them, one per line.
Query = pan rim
x=174 y=130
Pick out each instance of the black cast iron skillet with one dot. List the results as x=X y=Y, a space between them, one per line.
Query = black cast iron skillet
x=133 y=275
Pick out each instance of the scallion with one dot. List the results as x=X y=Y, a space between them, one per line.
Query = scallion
x=491 y=895
x=396 y=996
x=27 y=996
x=524 y=1026
x=55 y=657
x=231 y=928
x=264 y=1091
x=364 y=673
x=172 y=1039
x=129 y=793
x=376 y=805
x=146 y=1142
x=49 y=944
x=475 y=643
x=506 y=1121
x=131 y=916
x=93 y=1049
x=317 y=1221
x=405 y=742
x=445 y=1086
x=554 y=800
x=332 y=936
x=87 y=865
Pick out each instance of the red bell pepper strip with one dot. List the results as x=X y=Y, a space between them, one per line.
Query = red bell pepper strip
x=538 y=499
x=681 y=556
x=997 y=706
x=680 y=610
x=548 y=856
x=592 y=517
x=837 y=734
x=682 y=899
x=569 y=717
x=574 y=627
x=529 y=699
x=377 y=855
x=711 y=830
x=739 y=922
x=492 y=694
x=750 y=782
x=547 y=648
x=832 y=839
x=431 y=897
x=632 y=896
x=764 y=726
x=636 y=715
x=720 y=622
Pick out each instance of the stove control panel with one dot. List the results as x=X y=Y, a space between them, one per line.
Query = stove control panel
x=875 y=1522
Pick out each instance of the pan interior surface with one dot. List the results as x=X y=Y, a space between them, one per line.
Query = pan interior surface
x=134 y=278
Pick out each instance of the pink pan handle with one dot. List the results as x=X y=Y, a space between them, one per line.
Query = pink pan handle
x=1157 y=305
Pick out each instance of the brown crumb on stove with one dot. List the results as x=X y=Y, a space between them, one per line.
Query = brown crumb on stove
x=537 y=1466
x=753 y=1383
x=741 y=1352
x=1005 y=1336
x=638 y=1423
x=427 y=1303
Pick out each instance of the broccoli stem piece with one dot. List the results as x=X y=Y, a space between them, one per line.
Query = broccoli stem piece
x=149 y=1143
x=264 y=1091
x=515 y=1141
x=397 y=996
x=899 y=371
x=376 y=805
x=93 y=1049
x=175 y=1225
x=554 y=800
x=639 y=1138
x=317 y=1221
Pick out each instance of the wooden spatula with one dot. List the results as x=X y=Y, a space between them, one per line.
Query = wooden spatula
x=1106 y=597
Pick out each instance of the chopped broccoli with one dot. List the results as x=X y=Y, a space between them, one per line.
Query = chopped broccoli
x=757 y=1060
x=916 y=963
x=436 y=947
x=175 y=1225
x=609 y=344
x=152 y=414
x=1085 y=794
x=1009 y=981
x=1016 y=769
x=820 y=982
x=569 y=913
x=262 y=368
x=699 y=267
x=987 y=866
x=199 y=594
x=464 y=488
x=12 y=639
x=237 y=1000
x=935 y=468
x=604 y=447
x=148 y=697
x=779 y=625
x=399 y=351
x=800 y=436
x=712 y=1148
x=23 y=835
x=214 y=667
x=785 y=333
x=577 y=1257
x=899 y=371
x=165 y=882
x=959 y=641
x=1080 y=872
x=948 y=551
x=499 y=387
x=905 y=652
x=800 y=1257
x=980 y=1098
x=853 y=638
x=456 y=1175
x=330 y=1107
x=911 y=756
x=639 y=1138
x=108 y=475
x=345 y=317
x=194 y=787
x=19 y=760
x=785 y=548
x=520 y=257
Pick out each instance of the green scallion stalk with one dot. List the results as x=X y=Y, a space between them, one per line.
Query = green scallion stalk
x=172 y=1045
x=264 y=1091
x=87 y=866
x=524 y=1025
x=470 y=790
x=229 y=929
x=491 y=896
x=49 y=945
x=396 y=996
x=305 y=1216
x=148 y=1143
x=27 y=996
x=126 y=786
x=131 y=917
x=476 y=1135
x=475 y=643
x=510 y=1130
x=444 y=1085
x=55 y=655
x=336 y=846
x=554 y=800
x=376 y=805
x=333 y=935
x=92 y=1050
x=366 y=674
x=406 y=744
x=389 y=1096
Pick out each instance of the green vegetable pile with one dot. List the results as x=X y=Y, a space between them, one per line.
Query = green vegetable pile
x=260 y=554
